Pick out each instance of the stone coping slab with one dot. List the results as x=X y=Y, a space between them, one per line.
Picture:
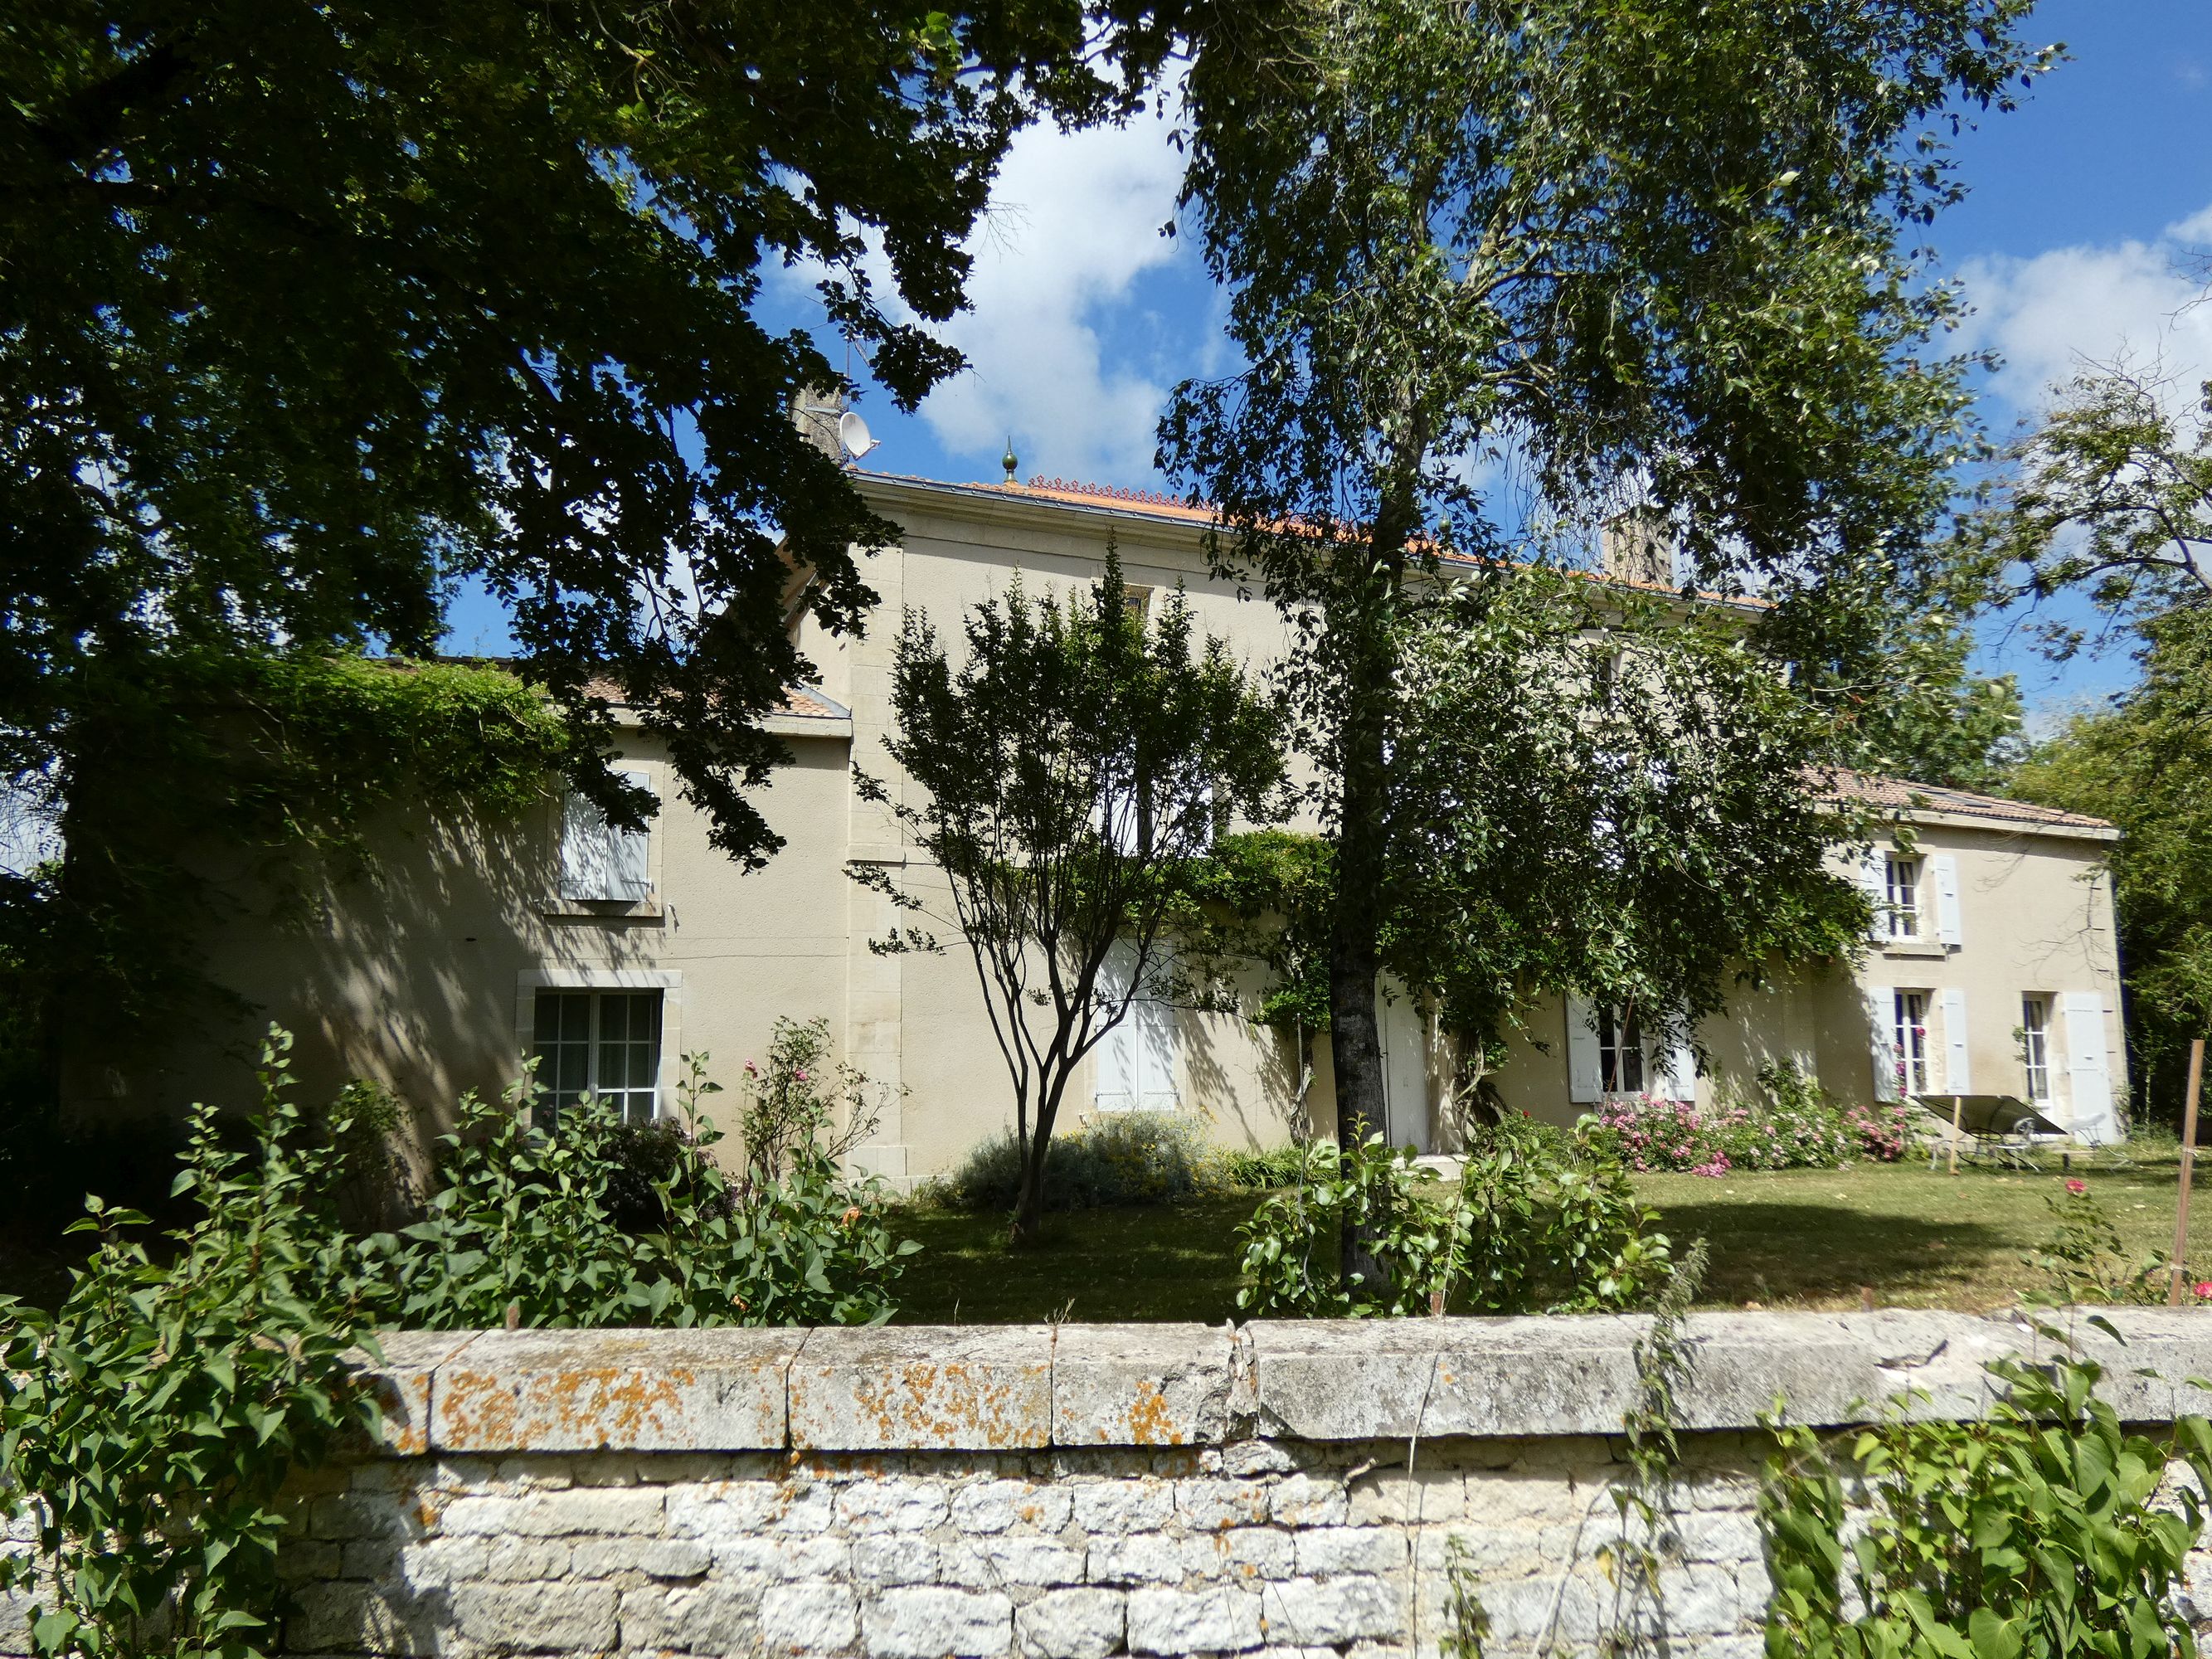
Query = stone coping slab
x=1030 y=1386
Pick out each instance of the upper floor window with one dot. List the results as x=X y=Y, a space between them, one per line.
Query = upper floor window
x=1910 y=1039
x=602 y=1043
x=1903 y=881
x=2035 y=1045
x=599 y=860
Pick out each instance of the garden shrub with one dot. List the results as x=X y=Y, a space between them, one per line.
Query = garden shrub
x=2041 y=1531
x=1116 y=1159
x=1797 y=1125
x=525 y=1223
x=1539 y=1220
x=151 y=1422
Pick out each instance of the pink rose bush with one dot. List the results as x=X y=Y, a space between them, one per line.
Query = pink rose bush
x=1797 y=1126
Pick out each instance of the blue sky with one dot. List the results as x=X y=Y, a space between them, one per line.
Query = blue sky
x=2085 y=205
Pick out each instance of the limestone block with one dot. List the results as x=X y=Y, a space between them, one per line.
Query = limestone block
x=499 y=1619
x=893 y=1558
x=808 y=1617
x=552 y=1514
x=1116 y=1506
x=892 y=1504
x=632 y=1390
x=351 y=1617
x=1071 y=1623
x=1140 y=1385
x=399 y=1375
x=1241 y=1554
x=994 y=1563
x=1305 y=1500
x=923 y=1389
x=935 y=1622
x=1398 y=1379
x=1330 y=1612
x=1142 y=1557
x=712 y=1618
x=1222 y=1619
x=1212 y=1504
x=1322 y=1551
x=996 y=1505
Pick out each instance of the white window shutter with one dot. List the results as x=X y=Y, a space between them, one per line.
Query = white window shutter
x=587 y=854
x=1585 y=1075
x=1945 y=869
x=1881 y=1010
x=1677 y=1070
x=2086 y=1066
x=1874 y=876
x=1155 y=1029
x=1957 y=1077
x=1119 y=1055
x=628 y=850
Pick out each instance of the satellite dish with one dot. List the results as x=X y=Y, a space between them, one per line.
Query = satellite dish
x=852 y=432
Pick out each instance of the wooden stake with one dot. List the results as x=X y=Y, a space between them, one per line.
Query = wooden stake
x=1958 y=1111
x=2188 y=1165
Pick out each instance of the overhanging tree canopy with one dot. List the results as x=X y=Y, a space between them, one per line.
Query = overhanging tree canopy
x=1616 y=255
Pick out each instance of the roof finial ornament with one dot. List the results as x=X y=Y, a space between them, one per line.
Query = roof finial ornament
x=1008 y=461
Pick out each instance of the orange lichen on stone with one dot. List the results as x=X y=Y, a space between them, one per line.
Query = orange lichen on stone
x=1150 y=1421
x=590 y=1407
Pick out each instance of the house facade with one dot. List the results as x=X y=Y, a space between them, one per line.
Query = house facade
x=610 y=956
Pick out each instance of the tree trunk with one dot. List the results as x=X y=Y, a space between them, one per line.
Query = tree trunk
x=1028 y=1227
x=1355 y=922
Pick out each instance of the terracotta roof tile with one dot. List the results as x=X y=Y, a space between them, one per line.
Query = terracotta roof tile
x=1898 y=794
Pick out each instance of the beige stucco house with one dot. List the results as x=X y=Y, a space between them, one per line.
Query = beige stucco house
x=610 y=956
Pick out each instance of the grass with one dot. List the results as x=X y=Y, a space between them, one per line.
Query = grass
x=1795 y=1238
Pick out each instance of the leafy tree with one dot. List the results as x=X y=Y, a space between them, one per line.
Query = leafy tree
x=1587 y=793
x=308 y=311
x=2111 y=493
x=2143 y=764
x=1491 y=263
x=1076 y=765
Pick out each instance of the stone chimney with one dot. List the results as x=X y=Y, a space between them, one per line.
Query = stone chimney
x=1633 y=548
x=815 y=412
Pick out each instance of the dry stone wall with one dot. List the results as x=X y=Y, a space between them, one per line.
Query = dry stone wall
x=1087 y=1490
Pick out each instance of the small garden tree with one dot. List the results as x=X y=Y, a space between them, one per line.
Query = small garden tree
x=1076 y=766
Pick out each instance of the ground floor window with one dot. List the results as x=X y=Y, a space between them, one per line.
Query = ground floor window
x=604 y=1044
x=1620 y=1052
x=1911 y=1040
x=2035 y=1045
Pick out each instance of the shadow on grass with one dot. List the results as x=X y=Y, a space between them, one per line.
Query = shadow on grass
x=1778 y=1254
x=1153 y=1262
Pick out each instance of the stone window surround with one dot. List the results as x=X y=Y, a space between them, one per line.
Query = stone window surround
x=669 y=982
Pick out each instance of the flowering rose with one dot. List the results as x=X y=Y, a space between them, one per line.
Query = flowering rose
x=2201 y=1288
x=2077 y=1188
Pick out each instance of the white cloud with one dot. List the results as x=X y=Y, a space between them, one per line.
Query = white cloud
x=1073 y=223
x=2061 y=311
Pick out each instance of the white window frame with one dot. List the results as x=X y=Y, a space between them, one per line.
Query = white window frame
x=1909 y=1040
x=1903 y=877
x=2035 y=1046
x=633 y=1102
x=668 y=982
x=1621 y=1044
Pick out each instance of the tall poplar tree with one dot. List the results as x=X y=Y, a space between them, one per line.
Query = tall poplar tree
x=1496 y=262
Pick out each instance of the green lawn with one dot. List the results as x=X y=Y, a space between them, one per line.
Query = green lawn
x=1797 y=1238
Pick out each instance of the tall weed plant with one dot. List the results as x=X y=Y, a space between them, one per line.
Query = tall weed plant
x=2046 y=1529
